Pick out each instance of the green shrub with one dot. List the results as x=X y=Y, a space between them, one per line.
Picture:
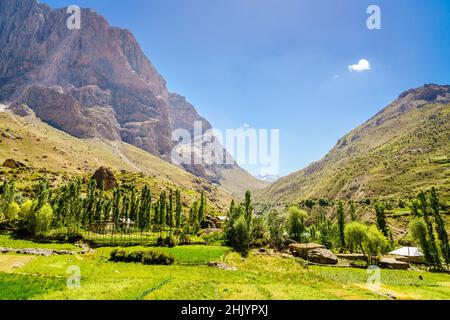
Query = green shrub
x=148 y=257
x=185 y=239
x=117 y=255
x=160 y=242
x=170 y=241
x=157 y=258
x=213 y=237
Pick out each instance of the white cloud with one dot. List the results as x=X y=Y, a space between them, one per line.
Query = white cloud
x=336 y=76
x=363 y=65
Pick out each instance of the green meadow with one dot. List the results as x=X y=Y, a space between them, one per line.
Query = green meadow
x=258 y=277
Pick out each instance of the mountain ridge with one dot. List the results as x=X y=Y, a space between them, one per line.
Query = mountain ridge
x=396 y=153
x=92 y=82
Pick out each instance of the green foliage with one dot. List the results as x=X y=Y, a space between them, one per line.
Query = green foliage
x=419 y=233
x=414 y=206
x=375 y=243
x=26 y=287
x=276 y=224
x=296 y=223
x=325 y=232
x=341 y=223
x=238 y=226
x=202 y=210
x=355 y=236
x=214 y=238
x=381 y=219
x=12 y=214
x=170 y=241
x=7 y=195
x=440 y=225
x=433 y=251
x=260 y=234
x=148 y=257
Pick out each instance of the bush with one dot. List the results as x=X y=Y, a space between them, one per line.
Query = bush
x=63 y=234
x=157 y=258
x=148 y=257
x=117 y=255
x=185 y=239
x=135 y=256
x=35 y=222
x=215 y=237
x=160 y=242
x=170 y=241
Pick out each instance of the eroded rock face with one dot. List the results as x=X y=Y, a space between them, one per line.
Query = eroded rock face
x=105 y=177
x=93 y=82
x=90 y=82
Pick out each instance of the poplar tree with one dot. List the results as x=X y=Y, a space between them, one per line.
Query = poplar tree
x=169 y=217
x=201 y=210
x=89 y=203
x=248 y=207
x=116 y=207
x=381 y=219
x=341 y=223
x=178 y=210
x=7 y=195
x=145 y=208
x=432 y=241
x=440 y=225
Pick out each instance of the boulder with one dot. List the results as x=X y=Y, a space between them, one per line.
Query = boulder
x=13 y=164
x=105 y=177
x=392 y=263
x=322 y=256
x=302 y=249
x=352 y=256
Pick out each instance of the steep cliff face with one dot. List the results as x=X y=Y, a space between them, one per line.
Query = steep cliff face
x=400 y=151
x=62 y=73
x=91 y=82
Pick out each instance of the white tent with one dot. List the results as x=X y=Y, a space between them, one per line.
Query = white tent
x=407 y=252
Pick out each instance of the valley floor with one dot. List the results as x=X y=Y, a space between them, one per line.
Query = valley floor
x=258 y=277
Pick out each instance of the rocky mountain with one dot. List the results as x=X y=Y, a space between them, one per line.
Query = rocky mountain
x=91 y=82
x=37 y=150
x=403 y=149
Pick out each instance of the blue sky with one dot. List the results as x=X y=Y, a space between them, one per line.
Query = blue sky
x=284 y=63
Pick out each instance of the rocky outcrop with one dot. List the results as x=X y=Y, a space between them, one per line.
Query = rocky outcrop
x=105 y=178
x=302 y=250
x=13 y=164
x=352 y=256
x=38 y=252
x=223 y=266
x=93 y=82
x=392 y=263
x=322 y=256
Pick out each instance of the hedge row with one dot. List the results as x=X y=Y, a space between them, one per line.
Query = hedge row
x=147 y=257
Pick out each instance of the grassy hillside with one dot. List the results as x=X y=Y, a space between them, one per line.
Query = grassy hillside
x=58 y=156
x=397 y=153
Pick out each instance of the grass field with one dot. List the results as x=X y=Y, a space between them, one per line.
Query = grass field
x=7 y=241
x=257 y=278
